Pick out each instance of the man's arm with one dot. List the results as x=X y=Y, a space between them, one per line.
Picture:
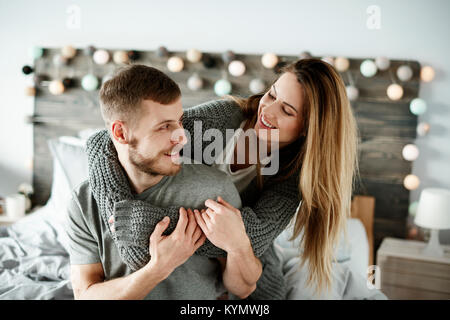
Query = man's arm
x=87 y=281
x=167 y=252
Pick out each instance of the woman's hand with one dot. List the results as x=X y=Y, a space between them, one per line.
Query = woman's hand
x=223 y=226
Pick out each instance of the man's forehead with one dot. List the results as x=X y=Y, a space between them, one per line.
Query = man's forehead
x=158 y=112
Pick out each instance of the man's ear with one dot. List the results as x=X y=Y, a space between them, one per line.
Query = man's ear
x=119 y=132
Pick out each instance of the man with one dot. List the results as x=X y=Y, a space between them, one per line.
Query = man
x=142 y=108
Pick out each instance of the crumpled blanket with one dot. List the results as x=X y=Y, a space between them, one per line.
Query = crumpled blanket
x=33 y=263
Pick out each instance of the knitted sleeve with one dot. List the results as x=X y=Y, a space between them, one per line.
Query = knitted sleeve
x=217 y=115
x=264 y=220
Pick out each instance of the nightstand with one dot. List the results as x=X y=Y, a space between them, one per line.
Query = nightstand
x=407 y=274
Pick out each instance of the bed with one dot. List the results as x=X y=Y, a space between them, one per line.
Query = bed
x=34 y=259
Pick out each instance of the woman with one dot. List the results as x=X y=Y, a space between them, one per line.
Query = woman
x=309 y=109
x=317 y=133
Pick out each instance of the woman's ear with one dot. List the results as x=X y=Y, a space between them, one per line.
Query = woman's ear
x=119 y=132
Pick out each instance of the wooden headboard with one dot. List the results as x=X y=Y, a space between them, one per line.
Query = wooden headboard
x=385 y=126
x=363 y=208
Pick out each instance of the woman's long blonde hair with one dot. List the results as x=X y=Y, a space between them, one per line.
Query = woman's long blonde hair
x=328 y=163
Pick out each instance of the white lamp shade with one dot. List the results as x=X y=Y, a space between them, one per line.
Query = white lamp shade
x=433 y=211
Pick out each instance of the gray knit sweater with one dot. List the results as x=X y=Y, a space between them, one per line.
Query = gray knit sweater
x=267 y=214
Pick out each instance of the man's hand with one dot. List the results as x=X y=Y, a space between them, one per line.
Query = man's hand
x=169 y=252
x=223 y=225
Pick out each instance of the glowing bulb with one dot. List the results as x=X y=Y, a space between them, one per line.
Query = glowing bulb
x=193 y=55
x=257 y=86
x=175 y=64
x=352 y=93
x=121 y=57
x=395 y=91
x=89 y=82
x=410 y=152
x=412 y=209
x=36 y=52
x=195 y=82
x=56 y=87
x=418 y=106
x=411 y=182
x=30 y=91
x=101 y=56
x=423 y=128
x=368 y=68
x=236 y=68
x=68 y=52
x=329 y=60
x=427 y=74
x=404 y=73
x=305 y=55
x=59 y=60
x=382 y=63
x=341 y=64
x=269 y=60
x=222 y=87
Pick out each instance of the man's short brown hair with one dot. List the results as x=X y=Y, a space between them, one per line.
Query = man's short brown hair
x=120 y=96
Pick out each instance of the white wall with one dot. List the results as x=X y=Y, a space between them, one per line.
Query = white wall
x=409 y=30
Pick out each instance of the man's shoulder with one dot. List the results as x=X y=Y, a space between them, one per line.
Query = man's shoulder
x=82 y=190
x=83 y=198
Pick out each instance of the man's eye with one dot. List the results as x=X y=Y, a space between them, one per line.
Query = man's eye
x=271 y=96
x=165 y=127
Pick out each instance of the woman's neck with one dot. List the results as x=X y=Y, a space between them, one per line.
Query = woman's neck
x=237 y=163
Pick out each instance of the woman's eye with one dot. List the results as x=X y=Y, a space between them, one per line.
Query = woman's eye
x=289 y=114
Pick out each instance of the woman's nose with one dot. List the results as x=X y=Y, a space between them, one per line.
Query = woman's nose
x=270 y=111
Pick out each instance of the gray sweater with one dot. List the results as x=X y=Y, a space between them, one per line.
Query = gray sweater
x=265 y=214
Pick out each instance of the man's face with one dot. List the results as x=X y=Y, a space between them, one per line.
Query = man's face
x=157 y=138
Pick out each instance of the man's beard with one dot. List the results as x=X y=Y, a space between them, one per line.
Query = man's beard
x=150 y=166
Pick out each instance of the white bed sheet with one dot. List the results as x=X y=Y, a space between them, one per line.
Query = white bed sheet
x=33 y=262
x=348 y=273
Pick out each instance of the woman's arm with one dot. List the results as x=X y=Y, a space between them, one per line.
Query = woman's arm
x=224 y=227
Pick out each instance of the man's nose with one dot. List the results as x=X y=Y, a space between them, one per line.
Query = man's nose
x=179 y=137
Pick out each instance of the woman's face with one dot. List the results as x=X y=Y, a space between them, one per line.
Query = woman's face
x=281 y=108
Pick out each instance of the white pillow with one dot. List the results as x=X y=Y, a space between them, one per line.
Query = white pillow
x=70 y=168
